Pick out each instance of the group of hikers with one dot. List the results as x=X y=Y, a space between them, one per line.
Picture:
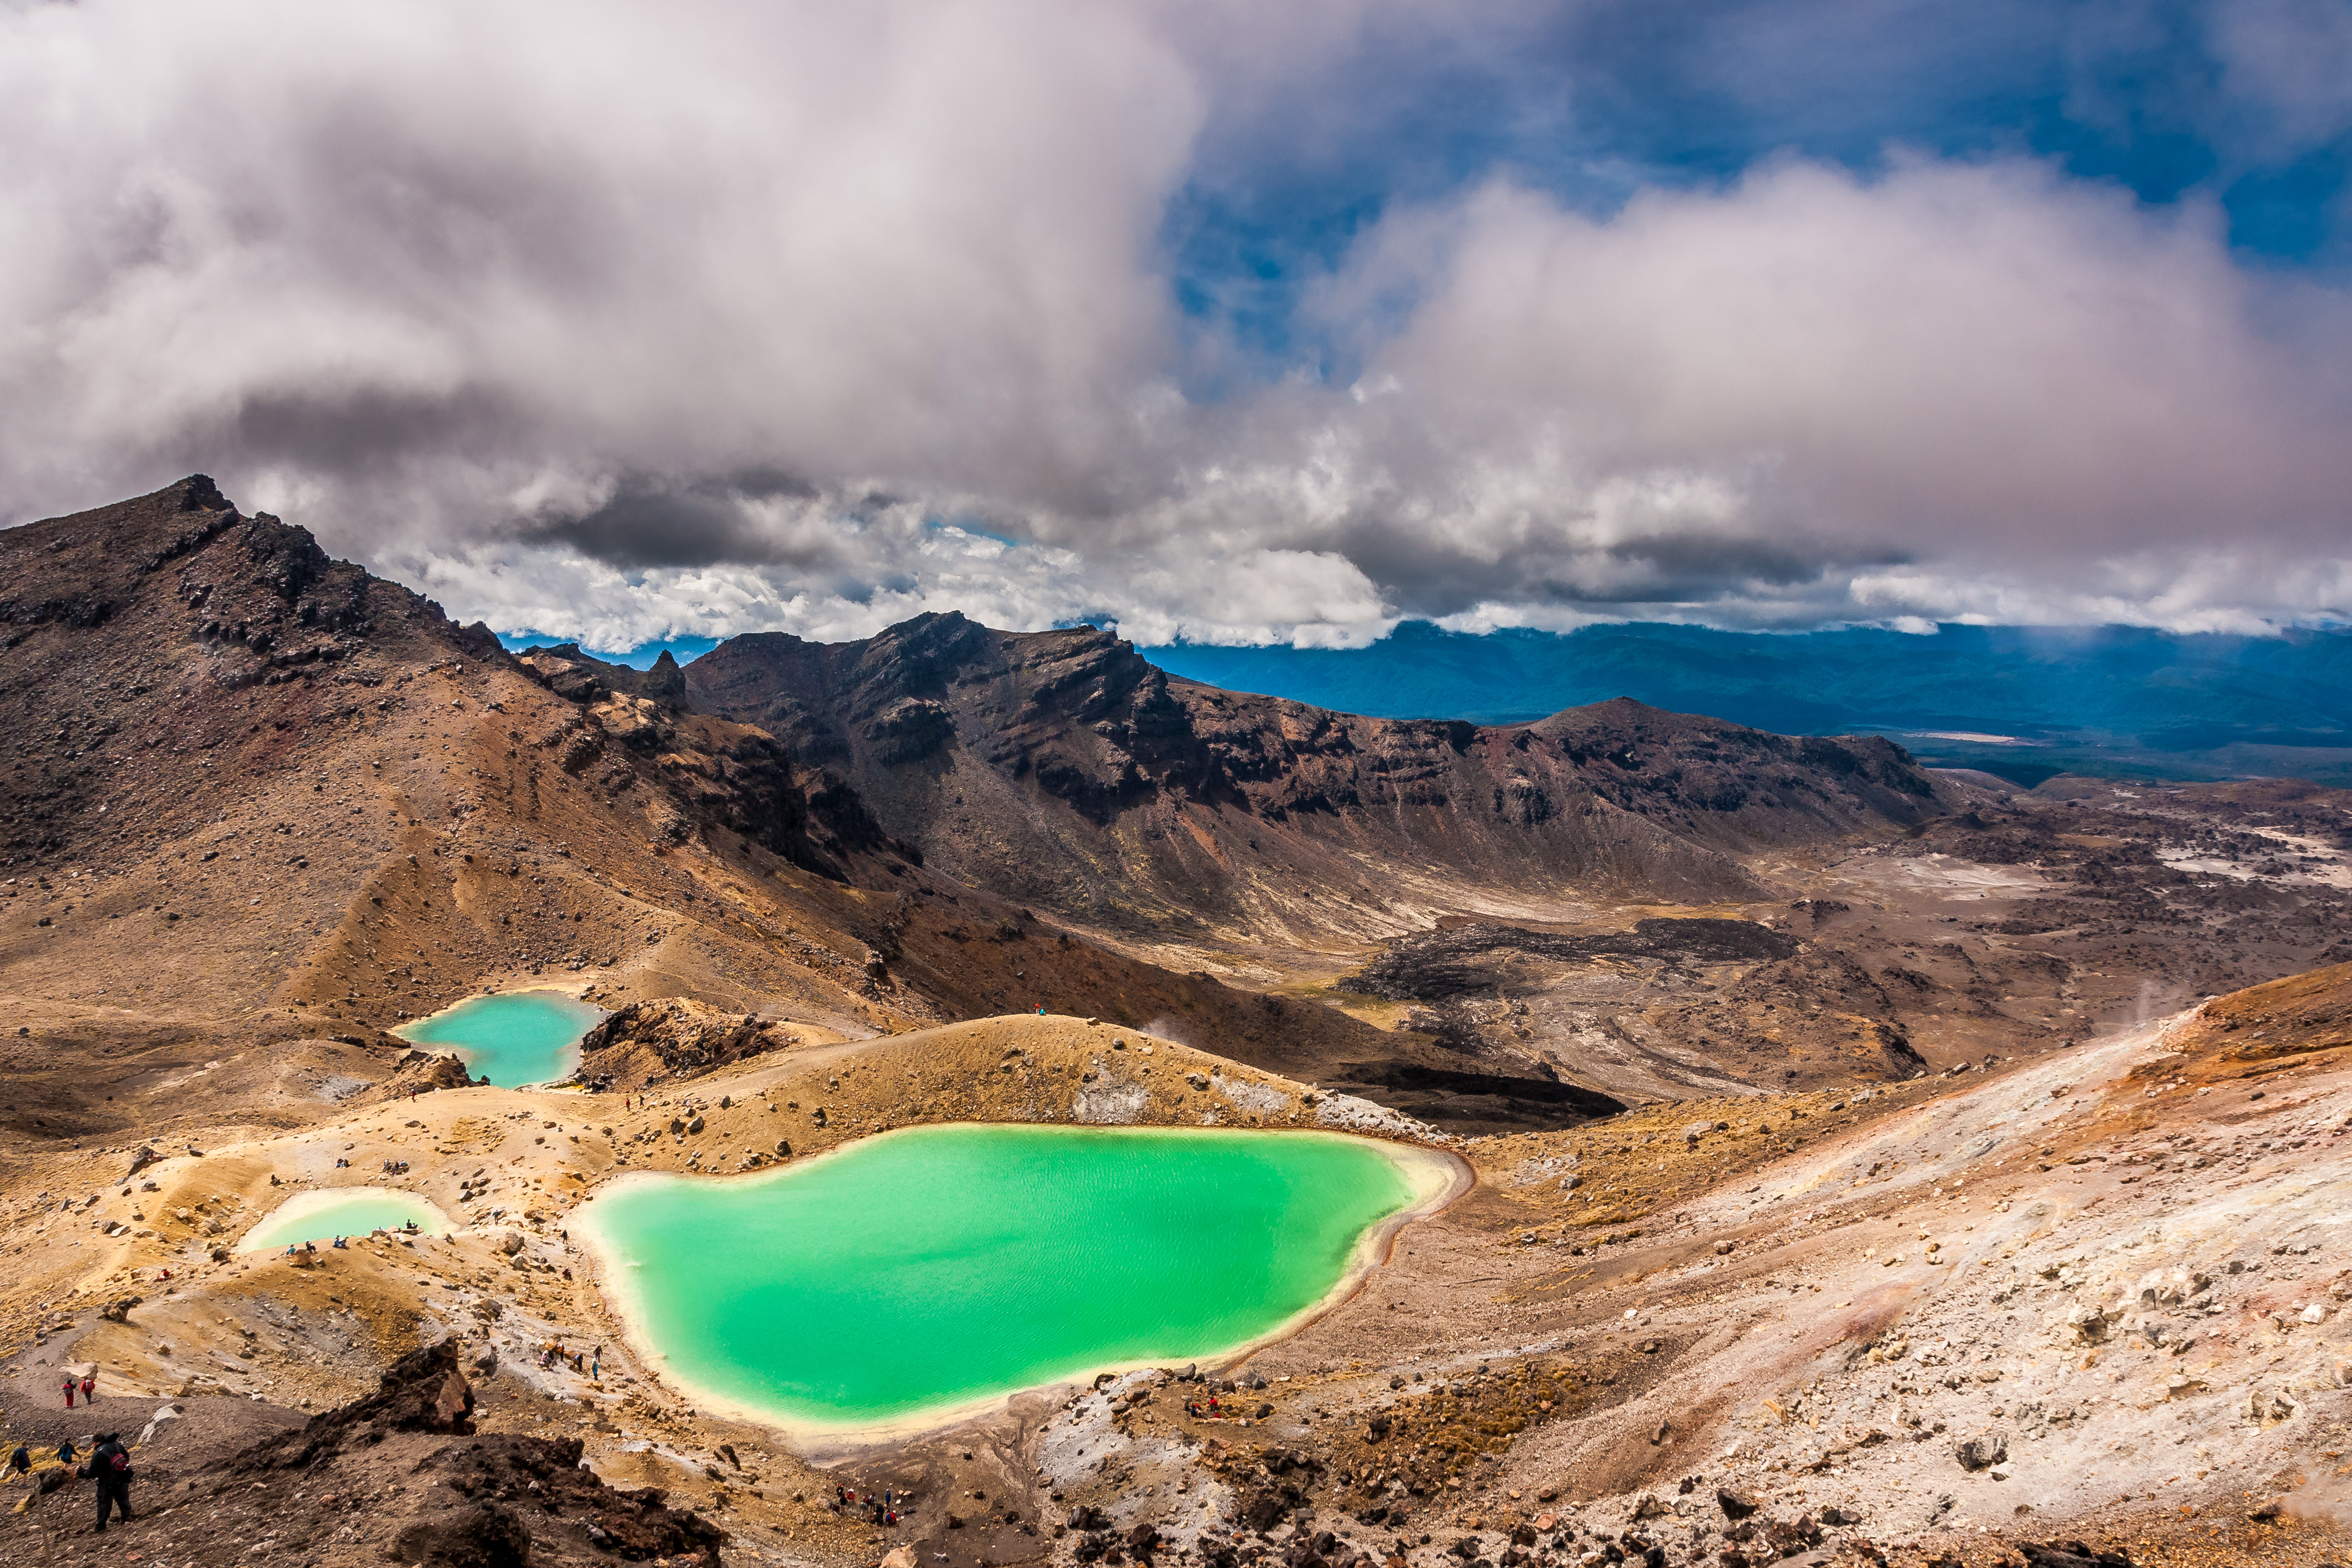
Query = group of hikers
x=590 y=1361
x=108 y=1465
x=880 y=1507
x=88 y=1384
x=292 y=1248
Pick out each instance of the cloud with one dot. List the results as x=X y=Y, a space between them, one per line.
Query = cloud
x=616 y=322
x=1810 y=374
x=441 y=250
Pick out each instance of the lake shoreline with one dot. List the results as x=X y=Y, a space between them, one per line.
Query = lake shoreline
x=440 y=1027
x=297 y=1208
x=1432 y=1179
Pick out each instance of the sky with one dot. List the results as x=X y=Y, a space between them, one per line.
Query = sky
x=1226 y=323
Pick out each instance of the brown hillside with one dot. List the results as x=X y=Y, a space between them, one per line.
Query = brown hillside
x=1061 y=768
x=261 y=806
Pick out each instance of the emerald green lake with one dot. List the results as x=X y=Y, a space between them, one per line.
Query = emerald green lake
x=943 y=1266
x=345 y=1211
x=511 y=1039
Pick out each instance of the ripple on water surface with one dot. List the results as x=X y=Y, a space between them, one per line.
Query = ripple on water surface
x=512 y=1037
x=341 y=1211
x=922 y=1269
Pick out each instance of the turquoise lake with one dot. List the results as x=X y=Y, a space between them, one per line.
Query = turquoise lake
x=937 y=1266
x=512 y=1037
x=347 y=1211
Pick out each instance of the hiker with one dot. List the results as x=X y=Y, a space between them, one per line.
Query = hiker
x=90 y=1388
x=109 y=1467
x=66 y=1452
x=596 y=1363
x=21 y=1461
x=69 y=1393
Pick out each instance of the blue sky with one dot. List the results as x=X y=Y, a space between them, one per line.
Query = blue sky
x=1233 y=324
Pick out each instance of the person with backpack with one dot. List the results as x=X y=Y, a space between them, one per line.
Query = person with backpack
x=20 y=1463
x=109 y=1467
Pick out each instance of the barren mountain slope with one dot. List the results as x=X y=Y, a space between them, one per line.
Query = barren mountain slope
x=1062 y=769
x=258 y=805
x=2099 y=1298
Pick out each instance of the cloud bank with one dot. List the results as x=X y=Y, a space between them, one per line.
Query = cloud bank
x=623 y=324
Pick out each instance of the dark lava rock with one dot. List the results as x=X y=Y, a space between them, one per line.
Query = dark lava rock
x=1981 y=1452
x=1435 y=966
x=2070 y=1555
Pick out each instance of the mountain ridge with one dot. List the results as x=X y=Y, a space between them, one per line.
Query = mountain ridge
x=1064 y=766
x=2095 y=700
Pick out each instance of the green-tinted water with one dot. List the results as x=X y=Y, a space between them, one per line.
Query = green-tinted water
x=515 y=1037
x=941 y=1266
x=349 y=1210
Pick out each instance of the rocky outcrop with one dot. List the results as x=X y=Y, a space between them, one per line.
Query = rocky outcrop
x=730 y=776
x=422 y=1392
x=492 y=1500
x=674 y=1036
x=425 y=1071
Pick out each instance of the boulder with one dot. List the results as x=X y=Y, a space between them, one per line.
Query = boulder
x=1736 y=1505
x=1982 y=1451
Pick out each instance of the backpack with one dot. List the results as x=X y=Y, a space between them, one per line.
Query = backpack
x=119 y=1462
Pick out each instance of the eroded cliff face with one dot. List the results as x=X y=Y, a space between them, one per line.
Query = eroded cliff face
x=1063 y=768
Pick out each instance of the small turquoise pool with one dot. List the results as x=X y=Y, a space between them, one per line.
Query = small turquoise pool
x=341 y=1211
x=512 y=1037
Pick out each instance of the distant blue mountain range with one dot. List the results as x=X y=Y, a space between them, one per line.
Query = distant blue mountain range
x=2026 y=702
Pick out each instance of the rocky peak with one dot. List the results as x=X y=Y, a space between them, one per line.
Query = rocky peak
x=1002 y=754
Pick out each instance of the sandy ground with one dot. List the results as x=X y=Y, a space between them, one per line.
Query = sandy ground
x=2118 y=1271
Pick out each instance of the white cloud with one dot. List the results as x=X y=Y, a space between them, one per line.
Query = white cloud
x=626 y=322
